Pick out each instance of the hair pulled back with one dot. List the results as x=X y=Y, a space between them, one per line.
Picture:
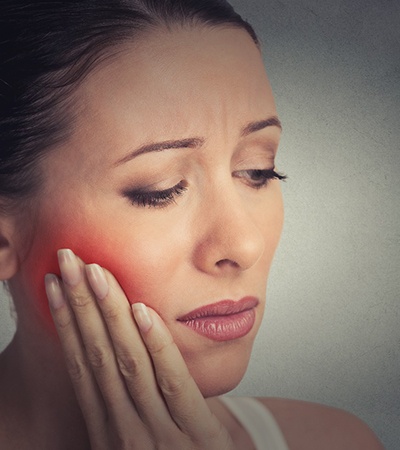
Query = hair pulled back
x=46 y=49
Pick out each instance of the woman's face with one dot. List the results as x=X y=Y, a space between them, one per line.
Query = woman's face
x=212 y=233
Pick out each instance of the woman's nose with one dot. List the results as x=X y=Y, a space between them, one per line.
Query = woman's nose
x=230 y=240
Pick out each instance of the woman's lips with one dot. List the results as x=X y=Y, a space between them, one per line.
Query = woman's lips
x=224 y=320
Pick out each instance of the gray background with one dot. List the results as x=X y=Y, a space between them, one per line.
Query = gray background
x=331 y=332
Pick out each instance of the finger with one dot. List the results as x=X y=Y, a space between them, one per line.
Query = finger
x=132 y=356
x=185 y=402
x=98 y=348
x=84 y=384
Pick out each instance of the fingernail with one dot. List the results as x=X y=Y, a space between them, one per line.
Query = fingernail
x=142 y=316
x=53 y=291
x=97 y=280
x=71 y=272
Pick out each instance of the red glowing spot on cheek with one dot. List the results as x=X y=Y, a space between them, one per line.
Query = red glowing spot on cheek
x=97 y=250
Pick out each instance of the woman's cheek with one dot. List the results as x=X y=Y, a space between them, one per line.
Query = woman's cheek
x=139 y=265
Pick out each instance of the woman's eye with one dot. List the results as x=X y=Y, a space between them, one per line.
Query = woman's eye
x=156 y=199
x=258 y=178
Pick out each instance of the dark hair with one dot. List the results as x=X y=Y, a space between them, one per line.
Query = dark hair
x=47 y=48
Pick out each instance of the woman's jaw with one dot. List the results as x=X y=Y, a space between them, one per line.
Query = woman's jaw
x=216 y=239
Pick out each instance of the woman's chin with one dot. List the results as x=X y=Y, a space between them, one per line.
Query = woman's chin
x=217 y=376
x=218 y=388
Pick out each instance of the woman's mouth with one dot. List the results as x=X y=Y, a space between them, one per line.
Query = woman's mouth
x=223 y=321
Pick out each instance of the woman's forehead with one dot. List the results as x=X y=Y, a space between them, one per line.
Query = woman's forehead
x=178 y=82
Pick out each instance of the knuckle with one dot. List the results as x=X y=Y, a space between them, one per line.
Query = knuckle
x=173 y=386
x=161 y=347
x=129 y=365
x=98 y=356
x=63 y=321
x=77 y=368
x=80 y=300
x=111 y=313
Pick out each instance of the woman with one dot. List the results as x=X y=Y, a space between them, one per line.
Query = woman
x=138 y=142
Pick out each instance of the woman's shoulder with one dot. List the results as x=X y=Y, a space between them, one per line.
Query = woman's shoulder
x=307 y=425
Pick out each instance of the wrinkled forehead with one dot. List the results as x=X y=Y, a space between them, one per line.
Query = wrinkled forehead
x=170 y=82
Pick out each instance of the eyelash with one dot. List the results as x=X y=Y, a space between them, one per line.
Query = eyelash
x=263 y=176
x=157 y=199
x=259 y=178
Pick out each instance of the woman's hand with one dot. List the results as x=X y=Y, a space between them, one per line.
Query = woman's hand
x=132 y=384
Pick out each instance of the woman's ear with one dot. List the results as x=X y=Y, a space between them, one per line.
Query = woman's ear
x=8 y=252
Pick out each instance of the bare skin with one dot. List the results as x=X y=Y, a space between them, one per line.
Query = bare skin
x=305 y=425
x=112 y=391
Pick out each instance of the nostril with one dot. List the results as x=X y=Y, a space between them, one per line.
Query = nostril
x=227 y=262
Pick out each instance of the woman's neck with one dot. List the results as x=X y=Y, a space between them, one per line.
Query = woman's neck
x=36 y=396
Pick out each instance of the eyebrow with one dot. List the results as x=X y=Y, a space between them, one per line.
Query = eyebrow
x=196 y=142
x=252 y=127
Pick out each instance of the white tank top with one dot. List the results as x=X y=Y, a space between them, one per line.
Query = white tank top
x=258 y=421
